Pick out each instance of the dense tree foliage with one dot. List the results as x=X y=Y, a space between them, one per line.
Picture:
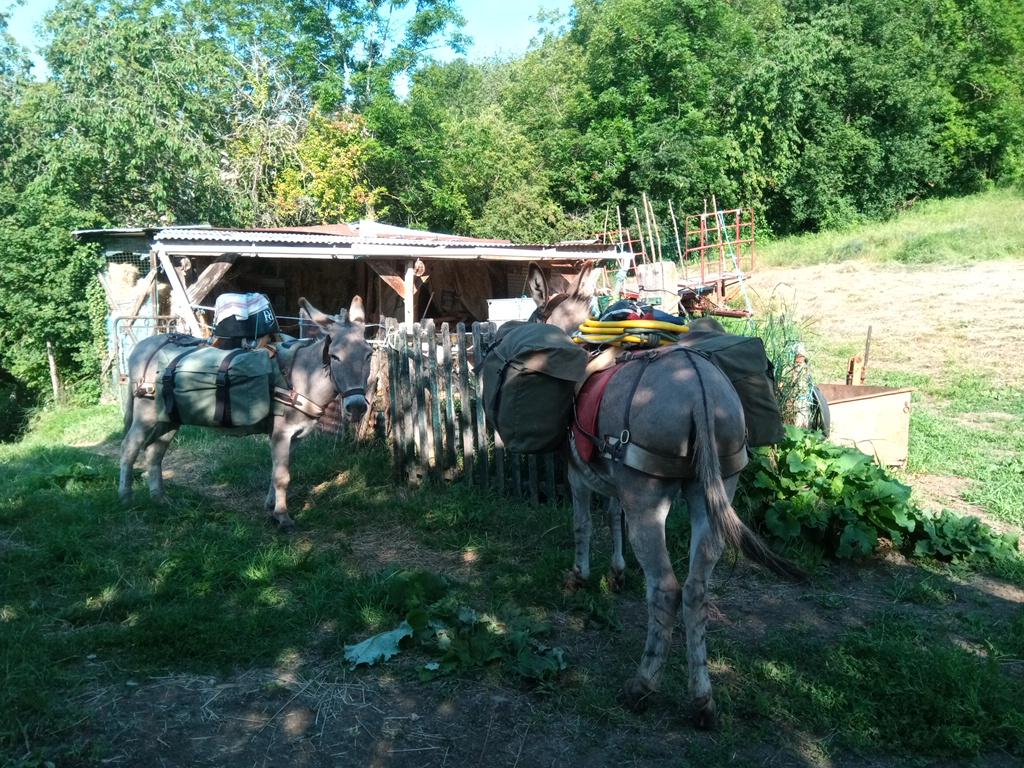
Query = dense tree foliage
x=818 y=113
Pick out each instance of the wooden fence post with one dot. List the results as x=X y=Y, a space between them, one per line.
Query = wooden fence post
x=465 y=408
x=430 y=433
x=437 y=441
x=394 y=393
x=481 y=424
x=449 y=400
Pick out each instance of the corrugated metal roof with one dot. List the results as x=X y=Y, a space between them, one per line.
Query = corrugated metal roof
x=424 y=242
x=341 y=236
x=250 y=236
x=345 y=230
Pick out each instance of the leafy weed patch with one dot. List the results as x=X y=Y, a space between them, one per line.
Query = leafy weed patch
x=839 y=501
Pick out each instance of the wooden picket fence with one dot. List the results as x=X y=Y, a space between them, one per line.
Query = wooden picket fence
x=436 y=416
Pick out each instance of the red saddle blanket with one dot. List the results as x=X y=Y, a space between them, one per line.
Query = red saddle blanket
x=588 y=404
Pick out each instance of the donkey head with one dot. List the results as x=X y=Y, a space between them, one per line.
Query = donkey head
x=346 y=353
x=564 y=310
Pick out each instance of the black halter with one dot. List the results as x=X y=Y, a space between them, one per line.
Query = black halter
x=329 y=366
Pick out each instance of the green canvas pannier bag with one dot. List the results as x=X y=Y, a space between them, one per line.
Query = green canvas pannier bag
x=743 y=360
x=529 y=377
x=213 y=387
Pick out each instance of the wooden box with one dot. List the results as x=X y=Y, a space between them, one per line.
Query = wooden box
x=875 y=420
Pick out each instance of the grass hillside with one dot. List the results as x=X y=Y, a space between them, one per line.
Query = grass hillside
x=940 y=287
x=949 y=231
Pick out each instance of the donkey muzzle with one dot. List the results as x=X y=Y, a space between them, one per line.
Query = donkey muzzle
x=355 y=403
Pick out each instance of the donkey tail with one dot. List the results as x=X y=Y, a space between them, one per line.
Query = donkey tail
x=726 y=525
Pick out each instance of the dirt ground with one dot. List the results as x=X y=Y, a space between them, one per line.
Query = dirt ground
x=313 y=712
x=923 y=320
x=929 y=321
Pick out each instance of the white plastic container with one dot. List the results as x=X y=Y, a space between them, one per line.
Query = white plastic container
x=502 y=310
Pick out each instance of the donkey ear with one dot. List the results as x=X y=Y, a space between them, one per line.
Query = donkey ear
x=356 y=312
x=318 y=317
x=580 y=285
x=536 y=285
x=307 y=327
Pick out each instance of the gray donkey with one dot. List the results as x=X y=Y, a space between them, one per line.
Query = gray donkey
x=670 y=420
x=338 y=362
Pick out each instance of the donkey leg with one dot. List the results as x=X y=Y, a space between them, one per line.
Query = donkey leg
x=704 y=553
x=581 y=494
x=646 y=510
x=277 y=498
x=132 y=444
x=160 y=439
x=616 y=522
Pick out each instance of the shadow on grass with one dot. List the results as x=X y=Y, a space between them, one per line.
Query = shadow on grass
x=890 y=661
x=193 y=585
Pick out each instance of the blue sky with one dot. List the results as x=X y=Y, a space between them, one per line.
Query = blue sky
x=496 y=26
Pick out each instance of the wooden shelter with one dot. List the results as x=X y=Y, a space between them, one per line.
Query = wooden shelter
x=407 y=274
x=161 y=278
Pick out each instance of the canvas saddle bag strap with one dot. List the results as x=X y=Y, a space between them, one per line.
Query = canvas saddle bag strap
x=170 y=403
x=144 y=388
x=222 y=413
x=623 y=448
x=286 y=395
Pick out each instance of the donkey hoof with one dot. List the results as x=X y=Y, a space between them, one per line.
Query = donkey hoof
x=616 y=580
x=284 y=525
x=705 y=714
x=634 y=694
x=573 y=582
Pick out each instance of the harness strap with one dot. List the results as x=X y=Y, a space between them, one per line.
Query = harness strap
x=170 y=402
x=501 y=380
x=625 y=451
x=286 y=346
x=222 y=413
x=301 y=403
x=541 y=314
x=660 y=465
x=287 y=395
x=148 y=389
x=632 y=393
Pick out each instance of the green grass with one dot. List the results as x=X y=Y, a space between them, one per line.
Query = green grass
x=962 y=424
x=950 y=231
x=94 y=594
x=895 y=685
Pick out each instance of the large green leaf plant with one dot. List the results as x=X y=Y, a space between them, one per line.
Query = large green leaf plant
x=837 y=500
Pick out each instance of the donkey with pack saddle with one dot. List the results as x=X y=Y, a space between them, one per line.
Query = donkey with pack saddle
x=667 y=420
x=280 y=390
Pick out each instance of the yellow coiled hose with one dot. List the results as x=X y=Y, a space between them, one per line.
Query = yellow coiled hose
x=632 y=333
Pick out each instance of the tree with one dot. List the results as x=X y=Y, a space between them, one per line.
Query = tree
x=270 y=114
x=126 y=131
x=326 y=180
x=453 y=161
x=132 y=119
x=343 y=52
